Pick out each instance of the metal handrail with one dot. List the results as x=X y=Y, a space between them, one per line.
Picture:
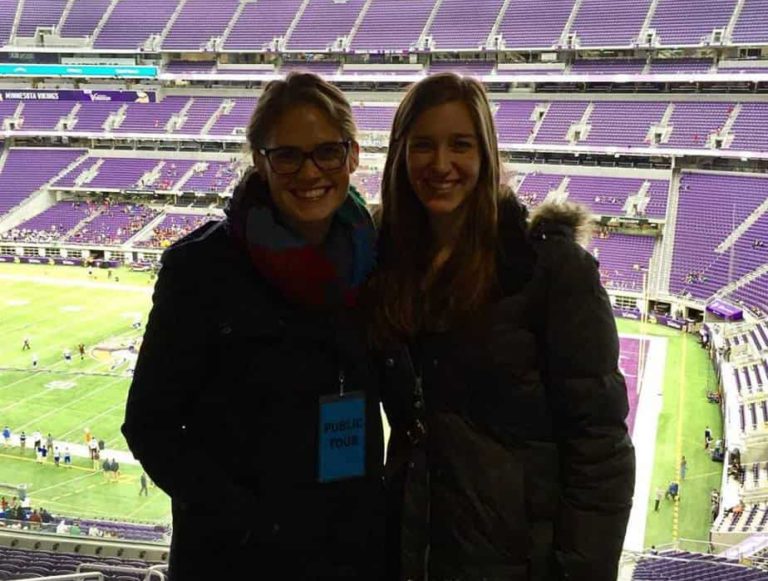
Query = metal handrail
x=150 y=572
x=92 y=576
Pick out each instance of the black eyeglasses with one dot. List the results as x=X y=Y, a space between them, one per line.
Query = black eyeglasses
x=288 y=160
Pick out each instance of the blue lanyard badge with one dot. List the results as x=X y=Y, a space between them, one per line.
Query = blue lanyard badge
x=341 y=440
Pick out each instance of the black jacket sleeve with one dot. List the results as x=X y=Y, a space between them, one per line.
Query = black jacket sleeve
x=161 y=426
x=589 y=402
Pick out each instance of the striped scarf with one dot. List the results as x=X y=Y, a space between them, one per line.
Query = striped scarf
x=328 y=275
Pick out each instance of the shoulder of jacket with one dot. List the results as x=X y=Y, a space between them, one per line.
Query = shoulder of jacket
x=560 y=220
x=208 y=240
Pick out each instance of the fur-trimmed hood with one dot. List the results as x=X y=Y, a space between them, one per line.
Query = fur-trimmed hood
x=565 y=217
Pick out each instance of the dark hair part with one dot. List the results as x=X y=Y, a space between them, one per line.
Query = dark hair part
x=402 y=305
x=298 y=89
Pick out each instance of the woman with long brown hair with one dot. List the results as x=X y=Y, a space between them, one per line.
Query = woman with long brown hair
x=509 y=457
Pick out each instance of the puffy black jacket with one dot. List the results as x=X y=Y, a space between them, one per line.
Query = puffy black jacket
x=223 y=415
x=509 y=458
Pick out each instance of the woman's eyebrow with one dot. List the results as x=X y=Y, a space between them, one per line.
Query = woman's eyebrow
x=453 y=135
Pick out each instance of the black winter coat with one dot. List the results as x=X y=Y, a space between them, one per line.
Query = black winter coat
x=509 y=458
x=223 y=415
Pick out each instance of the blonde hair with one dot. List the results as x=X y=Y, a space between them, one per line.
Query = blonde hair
x=298 y=89
x=402 y=307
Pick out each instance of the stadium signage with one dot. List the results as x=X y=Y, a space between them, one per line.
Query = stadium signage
x=725 y=311
x=122 y=72
x=68 y=95
x=99 y=60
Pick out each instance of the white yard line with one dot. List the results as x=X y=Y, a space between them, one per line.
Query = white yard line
x=649 y=408
x=30 y=424
x=79 y=429
x=45 y=280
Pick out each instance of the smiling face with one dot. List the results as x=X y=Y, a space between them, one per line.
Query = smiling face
x=307 y=199
x=443 y=158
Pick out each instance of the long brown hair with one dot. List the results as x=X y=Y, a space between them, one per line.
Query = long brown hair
x=402 y=306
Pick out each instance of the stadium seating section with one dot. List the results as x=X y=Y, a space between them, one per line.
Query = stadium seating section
x=27 y=564
x=384 y=25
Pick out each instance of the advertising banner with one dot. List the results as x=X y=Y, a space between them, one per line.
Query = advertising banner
x=725 y=310
x=33 y=70
x=71 y=95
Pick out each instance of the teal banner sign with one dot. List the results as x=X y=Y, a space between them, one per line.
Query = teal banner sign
x=17 y=70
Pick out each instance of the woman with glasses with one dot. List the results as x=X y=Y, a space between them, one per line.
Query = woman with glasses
x=253 y=405
x=509 y=458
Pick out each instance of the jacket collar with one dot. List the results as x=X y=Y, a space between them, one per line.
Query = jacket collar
x=567 y=219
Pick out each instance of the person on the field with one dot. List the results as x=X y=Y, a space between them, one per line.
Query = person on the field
x=106 y=468
x=56 y=456
x=143 y=481
x=114 y=467
x=93 y=451
x=261 y=308
x=673 y=490
x=509 y=456
x=6 y=436
x=22 y=442
x=25 y=346
x=67 y=457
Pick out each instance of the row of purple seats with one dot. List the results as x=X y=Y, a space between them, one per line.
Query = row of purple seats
x=710 y=206
x=51 y=224
x=114 y=225
x=391 y=25
x=28 y=564
x=173 y=227
x=621 y=257
x=684 y=566
x=17 y=182
x=603 y=195
x=692 y=123
x=480 y=68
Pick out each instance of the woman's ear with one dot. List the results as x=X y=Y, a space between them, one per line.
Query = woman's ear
x=354 y=156
x=259 y=165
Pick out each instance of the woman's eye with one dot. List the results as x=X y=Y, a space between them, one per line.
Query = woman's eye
x=462 y=145
x=421 y=146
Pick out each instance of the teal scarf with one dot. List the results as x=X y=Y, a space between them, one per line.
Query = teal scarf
x=329 y=275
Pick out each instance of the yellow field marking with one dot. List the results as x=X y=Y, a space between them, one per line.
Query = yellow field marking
x=705 y=475
x=679 y=442
x=47 y=462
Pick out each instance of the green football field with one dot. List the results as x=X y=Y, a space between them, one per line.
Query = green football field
x=59 y=307
x=688 y=375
